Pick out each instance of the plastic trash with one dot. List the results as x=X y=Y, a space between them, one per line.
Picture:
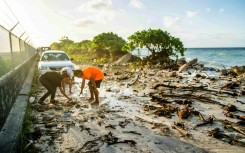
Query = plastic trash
x=31 y=99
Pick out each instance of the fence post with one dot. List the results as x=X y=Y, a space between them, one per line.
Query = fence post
x=20 y=41
x=10 y=42
x=10 y=39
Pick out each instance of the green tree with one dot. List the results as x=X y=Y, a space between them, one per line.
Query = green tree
x=108 y=43
x=73 y=48
x=55 y=46
x=160 y=43
x=65 y=43
x=85 y=46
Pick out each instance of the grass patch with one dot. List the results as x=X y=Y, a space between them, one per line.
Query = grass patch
x=26 y=138
x=28 y=128
x=5 y=66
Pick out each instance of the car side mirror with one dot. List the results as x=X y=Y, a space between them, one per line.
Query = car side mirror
x=72 y=59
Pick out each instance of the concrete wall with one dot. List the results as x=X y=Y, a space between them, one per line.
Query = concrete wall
x=10 y=85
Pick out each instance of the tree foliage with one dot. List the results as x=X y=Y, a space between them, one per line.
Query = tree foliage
x=86 y=46
x=108 y=44
x=64 y=44
x=55 y=46
x=160 y=43
x=73 y=48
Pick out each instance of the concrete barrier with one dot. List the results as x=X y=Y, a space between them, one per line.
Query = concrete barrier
x=13 y=102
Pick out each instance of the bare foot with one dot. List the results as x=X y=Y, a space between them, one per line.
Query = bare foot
x=53 y=101
x=41 y=102
x=95 y=102
x=69 y=100
x=90 y=99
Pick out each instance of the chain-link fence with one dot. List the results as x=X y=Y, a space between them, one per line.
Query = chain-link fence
x=15 y=43
x=13 y=51
x=17 y=55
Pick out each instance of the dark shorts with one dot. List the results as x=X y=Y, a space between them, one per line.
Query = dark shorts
x=97 y=82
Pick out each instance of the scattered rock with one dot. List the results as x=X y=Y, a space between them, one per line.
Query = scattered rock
x=187 y=65
x=230 y=108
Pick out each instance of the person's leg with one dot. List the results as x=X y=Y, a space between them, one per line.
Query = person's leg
x=44 y=82
x=44 y=96
x=91 y=90
x=95 y=91
x=96 y=94
x=53 y=92
x=48 y=86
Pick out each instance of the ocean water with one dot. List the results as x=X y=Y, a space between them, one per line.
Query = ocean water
x=211 y=57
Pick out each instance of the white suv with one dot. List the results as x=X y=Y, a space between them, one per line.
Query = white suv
x=54 y=60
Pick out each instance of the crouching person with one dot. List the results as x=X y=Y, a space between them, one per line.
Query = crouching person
x=51 y=80
x=95 y=77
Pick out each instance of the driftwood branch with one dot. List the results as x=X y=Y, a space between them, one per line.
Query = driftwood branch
x=89 y=145
x=181 y=131
x=225 y=68
x=190 y=96
x=133 y=132
x=196 y=97
x=137 y=77
x=210 y=120
x=238 y=130
x=203 y=88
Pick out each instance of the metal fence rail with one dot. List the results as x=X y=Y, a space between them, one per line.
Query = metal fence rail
x=13 y=51
x=15 y=43
x=16 y=58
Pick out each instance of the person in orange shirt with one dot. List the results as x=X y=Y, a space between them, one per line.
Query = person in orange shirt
x=95 y=77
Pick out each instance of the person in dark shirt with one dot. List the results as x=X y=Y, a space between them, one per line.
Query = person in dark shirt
x=51 y=80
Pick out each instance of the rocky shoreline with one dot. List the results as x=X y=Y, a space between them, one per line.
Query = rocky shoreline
x=149 y=109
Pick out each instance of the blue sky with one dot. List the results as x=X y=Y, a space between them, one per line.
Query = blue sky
x=198 y=23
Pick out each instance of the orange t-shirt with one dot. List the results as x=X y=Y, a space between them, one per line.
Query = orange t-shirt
x=92 y=72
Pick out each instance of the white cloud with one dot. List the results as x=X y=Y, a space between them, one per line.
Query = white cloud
x=136 y=4
x=106 y=16
x=221 y=10
x=84 y=22
x=191 y=14
x=95 y=19
x=96 y=5
x=208 y=9
x=96 y=12
x=170 y=22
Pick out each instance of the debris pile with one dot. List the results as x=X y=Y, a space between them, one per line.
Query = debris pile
x=142 y=108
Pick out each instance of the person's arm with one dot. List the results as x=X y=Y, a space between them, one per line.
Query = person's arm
x=63 y=86
x=82 y=86
x=70 y=84
x=62 y=91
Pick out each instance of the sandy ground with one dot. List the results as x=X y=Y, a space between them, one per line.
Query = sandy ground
x=122 y=123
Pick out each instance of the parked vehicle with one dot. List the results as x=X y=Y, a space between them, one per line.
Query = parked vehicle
x=54 y=60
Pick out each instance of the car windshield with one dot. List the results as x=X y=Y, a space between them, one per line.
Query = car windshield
x=54 y=57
